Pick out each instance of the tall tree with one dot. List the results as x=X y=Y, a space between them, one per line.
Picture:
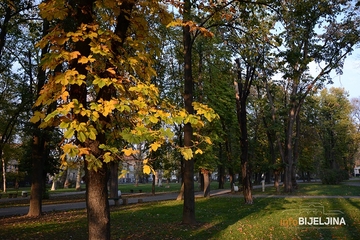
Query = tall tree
x=311 y=31
x=189 y=197
x=336 y=129
x=250 y=40
x=105 y=91
x=38 y=145
x=15 y=53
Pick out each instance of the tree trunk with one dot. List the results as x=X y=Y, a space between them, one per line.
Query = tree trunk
x=296 y=152
x=153 y=184
x=246 y=183
x=181 y=193
x=38 y=146
x=221 y=176
x=289 y=150
x=98 y=211
x=156 y=177
x=189 y=198
x=206 y=177
x=232 y=179
x=160 y=179
x=3 y=173
x=36 y=179
x=78 y=178
x=54 y=183
x=67 y=178
x=277 y=171
x=201 y=180
x=221 y=172
x=276 y=180
x=113 y=180
x=241 y=99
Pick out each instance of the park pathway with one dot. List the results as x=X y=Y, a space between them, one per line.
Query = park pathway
x=136 y=198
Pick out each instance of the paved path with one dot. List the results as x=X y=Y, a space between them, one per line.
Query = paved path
x=146 y=198
x=82 y=205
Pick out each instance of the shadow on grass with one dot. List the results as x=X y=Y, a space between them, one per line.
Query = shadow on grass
x=329 y=214
x=53 y=225
x=318 y=189
x=163 y=220
x=218 y=218
x=351 y=215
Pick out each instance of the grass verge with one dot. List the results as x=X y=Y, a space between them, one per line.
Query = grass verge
x=218 y=218
x=316 y=189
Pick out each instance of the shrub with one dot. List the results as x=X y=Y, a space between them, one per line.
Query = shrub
x=333 y=176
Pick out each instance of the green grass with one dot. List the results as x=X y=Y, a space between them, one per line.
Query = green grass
x=218 y=218
x=166 y=187
x=316 y=189
x=125 y=188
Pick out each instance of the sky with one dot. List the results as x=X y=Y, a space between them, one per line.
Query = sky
x=350 y=79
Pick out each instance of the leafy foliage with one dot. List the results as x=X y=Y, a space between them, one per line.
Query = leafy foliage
x=133 y=109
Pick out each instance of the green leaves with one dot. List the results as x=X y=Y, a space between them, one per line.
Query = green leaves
x=69 y=133
x=101 y=82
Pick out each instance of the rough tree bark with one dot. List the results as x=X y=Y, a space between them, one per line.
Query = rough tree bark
x=242 y=92
x=38 y=145
x=189 y=197
x=98 y=212
x=206 y=177
x=113 y=183
x=78 y=178
x=221 y=168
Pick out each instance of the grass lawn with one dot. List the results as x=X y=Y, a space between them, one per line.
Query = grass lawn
x=218 y=218
x=318 y=189
x=223 y=217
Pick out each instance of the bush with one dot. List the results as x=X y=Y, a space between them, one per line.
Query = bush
x=333 y=176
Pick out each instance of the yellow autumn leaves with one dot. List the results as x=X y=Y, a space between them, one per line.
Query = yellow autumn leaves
x=132 y=113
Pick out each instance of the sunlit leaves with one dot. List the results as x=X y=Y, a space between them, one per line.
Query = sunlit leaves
x=187 y=153
x=154 y=146
x=37 y=117
x=131 y=110
x=107 y=157
x=198 y=151
x=129 y=151
x=193 y=27
x=85 y=60
x=69 y=133
x=54 y=9
x=207 y=112
x=70 y=150
x=147 y=169
x=94 y=163
x=51 y=115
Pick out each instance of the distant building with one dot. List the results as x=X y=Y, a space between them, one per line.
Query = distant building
x=357 y=168
x=12 y=166
x=129 y=165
